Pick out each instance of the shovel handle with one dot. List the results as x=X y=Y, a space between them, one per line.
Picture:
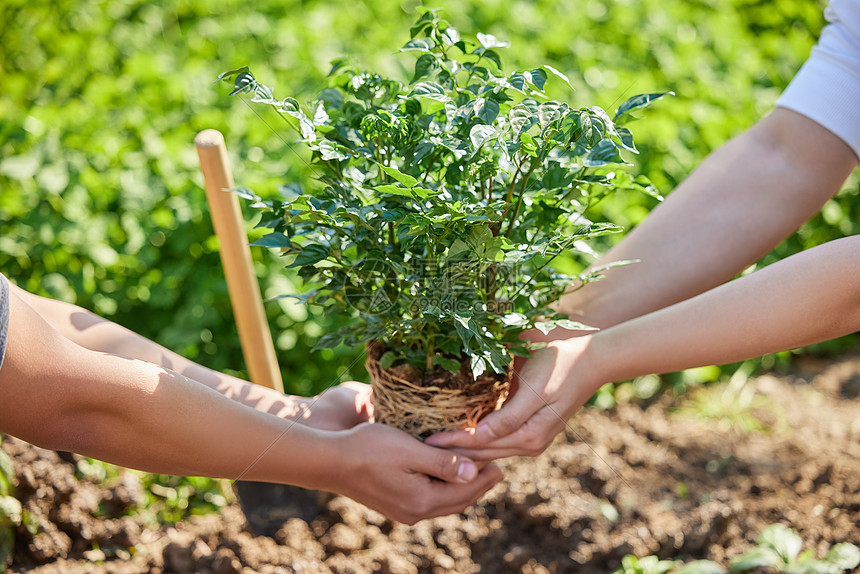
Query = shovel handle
x=254 y=334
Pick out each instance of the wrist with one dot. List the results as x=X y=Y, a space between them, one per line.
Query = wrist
x=580 y=364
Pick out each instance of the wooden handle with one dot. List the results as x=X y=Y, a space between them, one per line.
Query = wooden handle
x=254 y=334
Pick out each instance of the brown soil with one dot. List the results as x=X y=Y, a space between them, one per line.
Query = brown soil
x=640 y=479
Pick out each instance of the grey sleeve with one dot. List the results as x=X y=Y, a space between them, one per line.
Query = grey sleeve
x=4 y=316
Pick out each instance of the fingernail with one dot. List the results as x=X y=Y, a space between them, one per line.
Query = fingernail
x=467 y=471
x=484 y=433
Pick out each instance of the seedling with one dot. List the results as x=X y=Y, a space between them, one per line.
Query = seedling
x=779 y=547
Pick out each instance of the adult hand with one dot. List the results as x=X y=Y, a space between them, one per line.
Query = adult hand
x=338 y=408
x=404 y=479
x=548 y=388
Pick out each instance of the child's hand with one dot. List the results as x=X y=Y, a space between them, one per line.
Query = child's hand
x=338 y=408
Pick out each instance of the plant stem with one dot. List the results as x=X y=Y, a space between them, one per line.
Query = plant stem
x=430 y=163
x=495 y=227
x=539 y=269
x=474 y=66
x=525 y=182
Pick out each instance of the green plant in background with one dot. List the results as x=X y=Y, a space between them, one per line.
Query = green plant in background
x=779 y=547
x=11 y=513
x=732 y=405
x=630 y=564
x=165 y=499
x=169 y=499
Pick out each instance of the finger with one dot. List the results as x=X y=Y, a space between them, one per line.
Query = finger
x=363 y=400
x=531 y=439
x=464 y=495
x=514 y=413
x=444 y=465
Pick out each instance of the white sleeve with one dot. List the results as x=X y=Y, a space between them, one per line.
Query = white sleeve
x=827 y=87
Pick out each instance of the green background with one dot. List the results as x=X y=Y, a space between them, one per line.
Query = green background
x=101 y=199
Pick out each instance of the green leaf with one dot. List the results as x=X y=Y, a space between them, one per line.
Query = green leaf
x=812 y=567
x=481 y=134
x=486 y=110
x=328 y=341
x=521 y=118
x=228 y=75
x=273 y=241
x=558 y=75
x=331 y=151
x=755 y=558
x=638 y=102
x=518 y=82
x=604 y=153
x=424 y=66
x=451 y=365
x=426 y=19
x=387 y=359
x=537 y=78
x=243 y=84
x=845 y=555
x=430 y=90
x=465 y=329
x=785 y=541
x=700 y=567
x=419 y=192
x=306 y=126
x=390 y=189
x=309 y=255
x=549 y=112
x=515 y=320
x=10 y=510
x=419 y=45
x=399 y=176
x=457 y=248
x=574 y=325
x=545 y=326
x=488 y=41
x=7 y=474
x=450 y=36
x=478 y=365
x=626 y=137
x=529 y=145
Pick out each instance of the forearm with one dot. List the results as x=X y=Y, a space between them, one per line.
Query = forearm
x=143 y=416
x=743 y=200
x=98 y=334
x=807 y=298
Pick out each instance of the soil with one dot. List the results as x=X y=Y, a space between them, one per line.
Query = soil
x=639 y=479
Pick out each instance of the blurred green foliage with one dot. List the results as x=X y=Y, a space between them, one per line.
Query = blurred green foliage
x=101 y=201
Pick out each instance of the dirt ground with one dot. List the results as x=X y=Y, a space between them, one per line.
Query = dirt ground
x=640 y=479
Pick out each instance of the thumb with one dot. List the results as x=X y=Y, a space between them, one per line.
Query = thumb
x=445 y=465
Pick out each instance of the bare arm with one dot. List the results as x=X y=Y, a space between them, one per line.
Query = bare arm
x=736 y=206
x=59 y=395
x=98 y=334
